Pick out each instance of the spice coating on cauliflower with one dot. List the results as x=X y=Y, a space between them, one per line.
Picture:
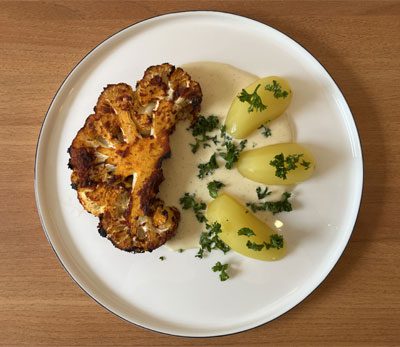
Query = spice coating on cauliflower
x=116 y=158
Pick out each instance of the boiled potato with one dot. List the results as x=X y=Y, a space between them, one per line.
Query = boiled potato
x=256 y=165
x=240 y=122
x=233 y=216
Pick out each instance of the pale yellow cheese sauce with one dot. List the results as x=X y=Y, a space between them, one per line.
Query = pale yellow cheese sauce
x=220 y=84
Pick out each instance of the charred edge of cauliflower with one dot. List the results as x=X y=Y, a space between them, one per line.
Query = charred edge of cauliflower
x=116 y=157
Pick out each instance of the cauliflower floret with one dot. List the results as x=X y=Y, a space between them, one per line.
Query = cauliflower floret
x=116 y=158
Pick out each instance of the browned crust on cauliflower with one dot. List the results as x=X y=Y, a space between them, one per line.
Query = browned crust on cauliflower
x=116 y=158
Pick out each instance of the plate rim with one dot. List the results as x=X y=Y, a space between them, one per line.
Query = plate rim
x=353 y=126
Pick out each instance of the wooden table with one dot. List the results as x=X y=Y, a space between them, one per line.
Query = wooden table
x=358 y=42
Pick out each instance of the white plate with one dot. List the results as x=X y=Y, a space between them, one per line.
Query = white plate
x=181 y=295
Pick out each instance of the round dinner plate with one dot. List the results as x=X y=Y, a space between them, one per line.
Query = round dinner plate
x=181 y=295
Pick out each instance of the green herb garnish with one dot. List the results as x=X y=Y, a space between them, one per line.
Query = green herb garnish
x=275 y=241
x=223 y=276
x=195 y=146
x=254 y=100
x=306 y=164
x=180 y=250
x=203 y=125
x=209 y=240
x=223 y=132
x=261 y=194
x=162 y=258
x=277 y=89
x=284 y=165
x=200 y=128
x=189 y=201
x=208 y=168
x=255 y=246
x=246 y=231
x=213 y=188
x=266 y=131
x=231 y=155
x=273 y=206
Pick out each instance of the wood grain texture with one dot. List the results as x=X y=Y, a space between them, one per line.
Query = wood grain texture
x=357 y=41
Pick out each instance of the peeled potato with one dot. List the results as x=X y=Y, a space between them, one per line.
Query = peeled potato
x=240 y=122
x=255 y=164
x=233 y=216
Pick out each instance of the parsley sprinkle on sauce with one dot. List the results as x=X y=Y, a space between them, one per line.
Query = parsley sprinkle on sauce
x=203 y=125
x=209 y=240
x=265 y=130
x=217 y=154
x=200 y=130
x=188 y=201
x=231 y=155
x=261 y=194
x=213 y=188
x=208 y=168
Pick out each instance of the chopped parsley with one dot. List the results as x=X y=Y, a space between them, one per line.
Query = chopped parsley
x=200 y=128
x=276 y=88
x=162 y=258
x=203 y=125
x=266 y=131
x=232 y=150
x=181 y=250
x=189 y=201
x=254 y=100
x=275 y=241
x=255 y=246
x=284 y=165
x=223 y=276
x=246 y=232
x=213 y=188
x=231 y=155
x=261 y=194
x=208 y=168
x=195 y=146
x=306 y=164
x=223 y=132
x=209 y=240
x=273 y=206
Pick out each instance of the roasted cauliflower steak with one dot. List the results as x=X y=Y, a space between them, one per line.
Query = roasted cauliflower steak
x=116 y=157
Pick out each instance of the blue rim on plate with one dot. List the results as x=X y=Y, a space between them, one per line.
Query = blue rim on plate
x=44 y=122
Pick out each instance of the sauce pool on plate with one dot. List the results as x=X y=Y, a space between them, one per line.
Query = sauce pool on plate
x=220 y=84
